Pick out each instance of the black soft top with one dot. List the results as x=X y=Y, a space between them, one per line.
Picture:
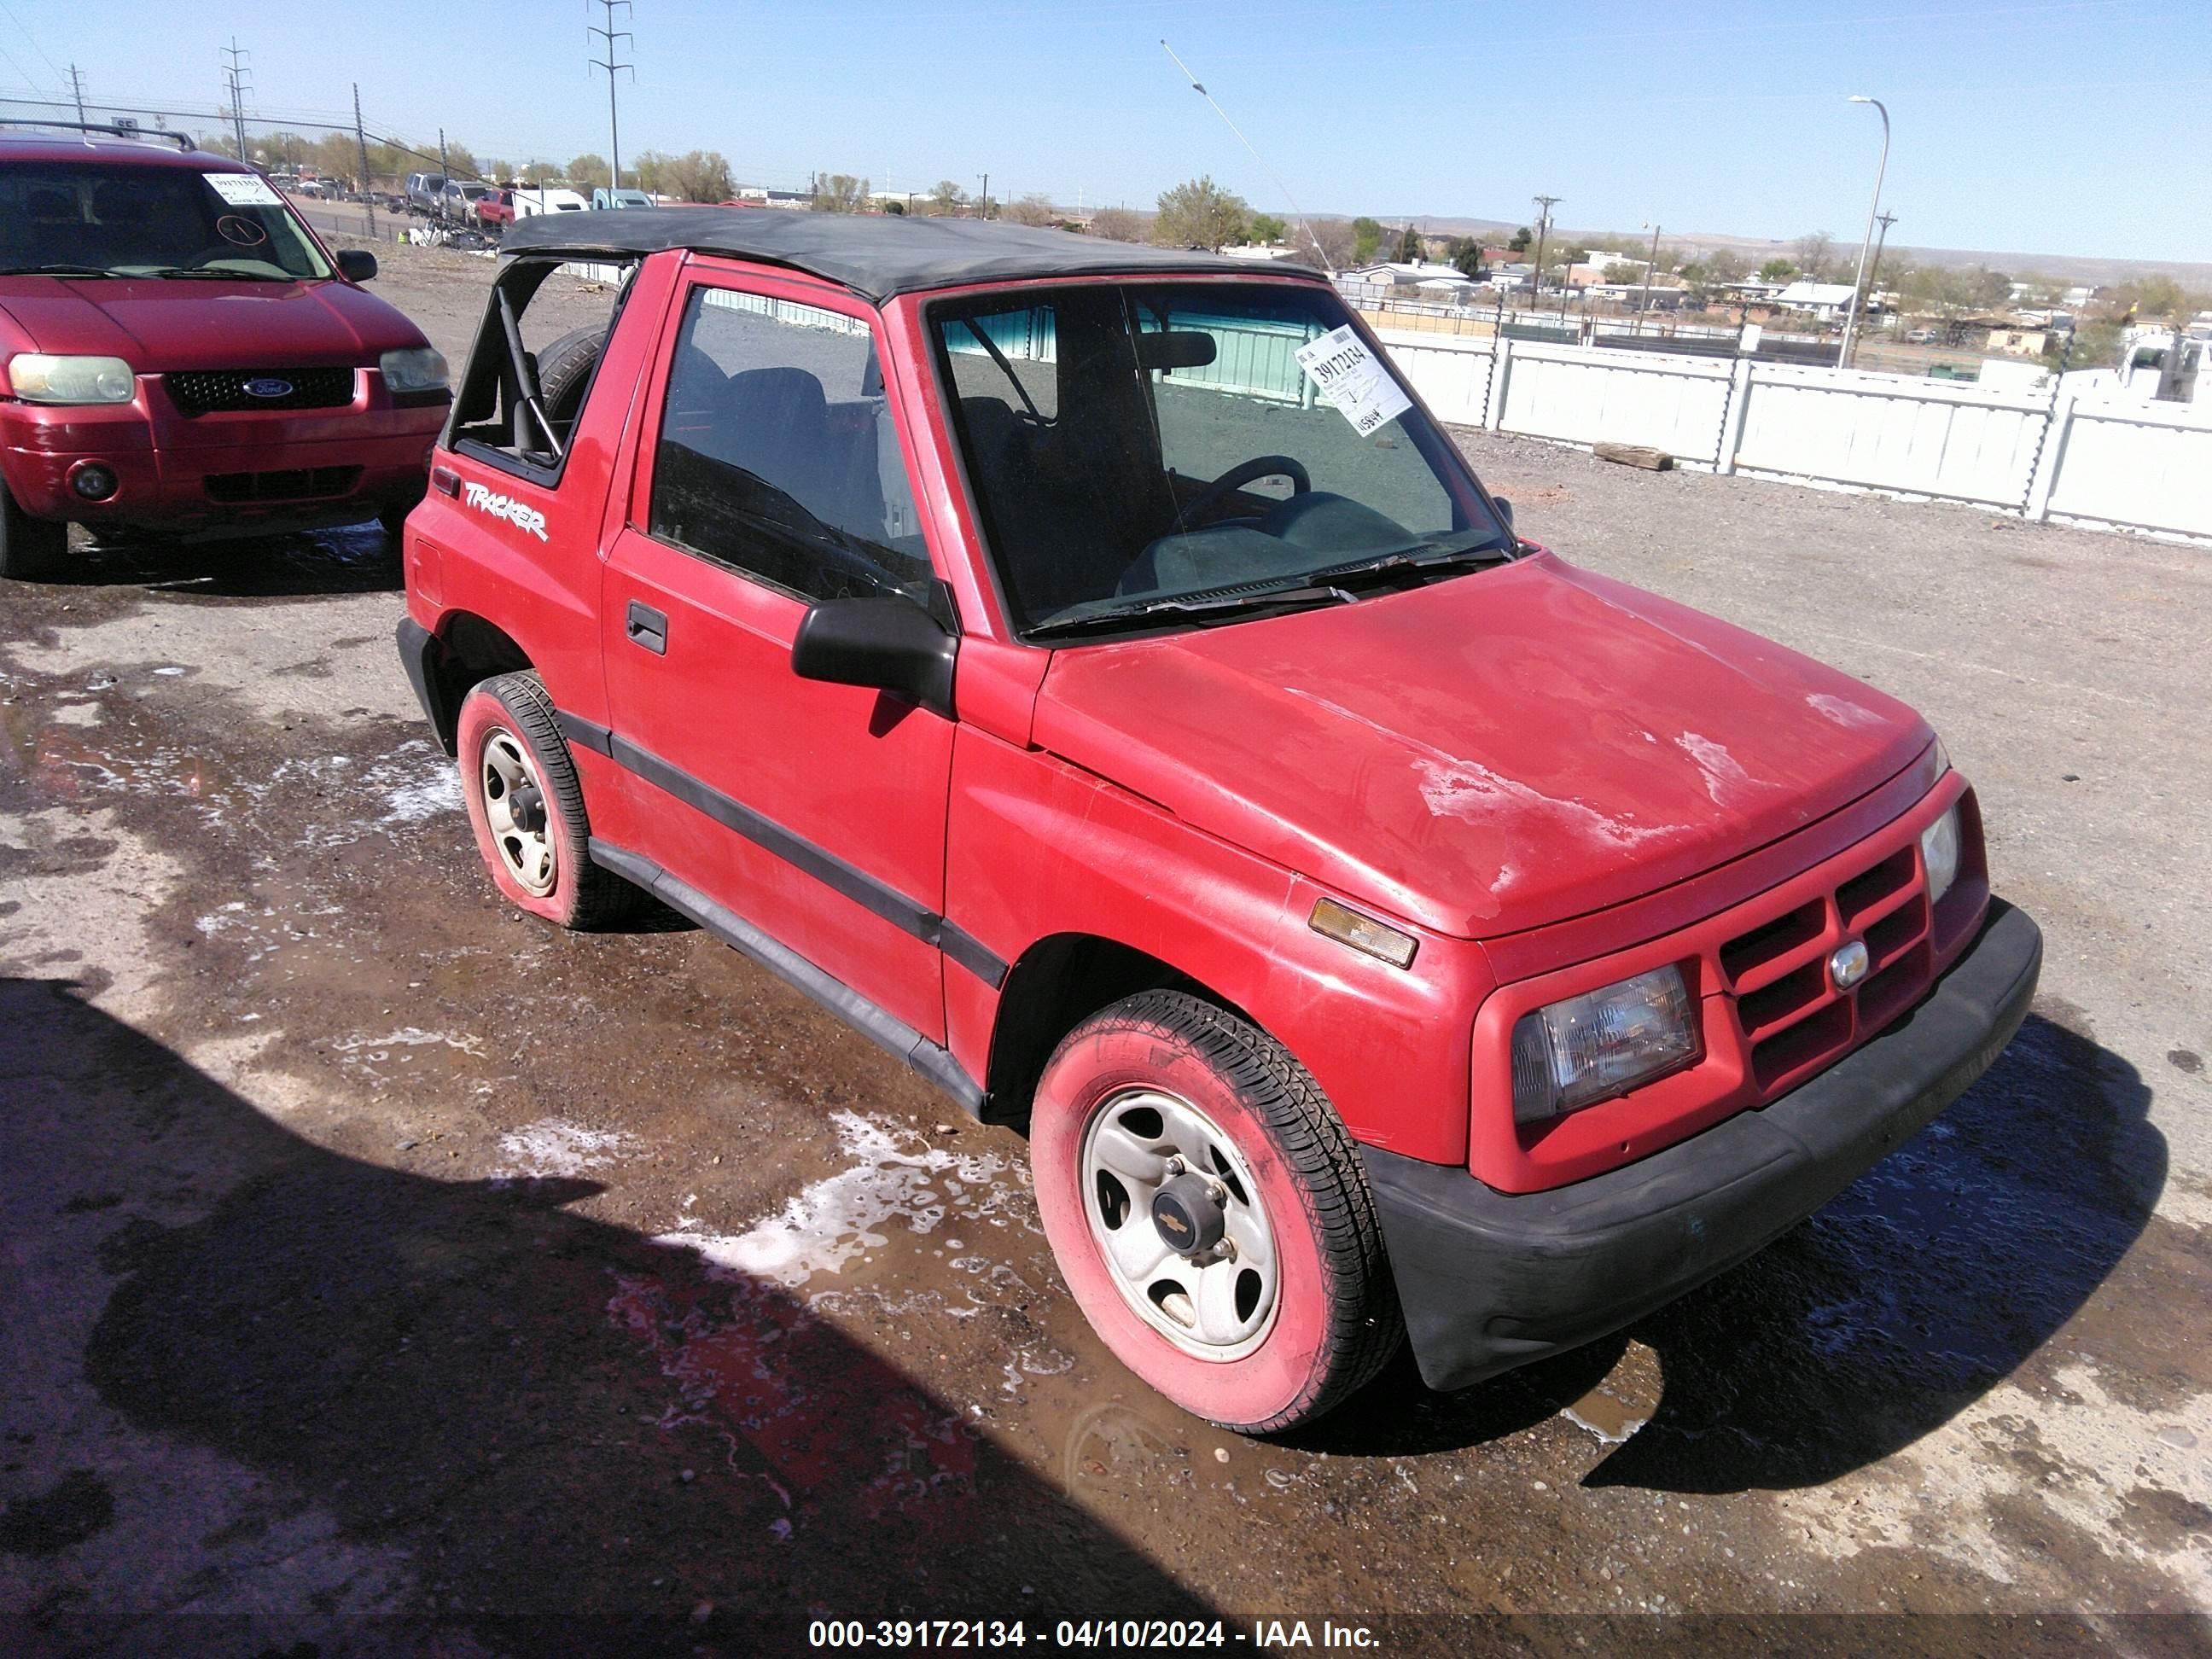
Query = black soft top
x=875 y=255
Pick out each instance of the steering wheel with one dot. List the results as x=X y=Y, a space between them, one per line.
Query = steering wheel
x=1259 y=466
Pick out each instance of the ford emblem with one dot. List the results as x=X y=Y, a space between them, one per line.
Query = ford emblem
x=269 y=386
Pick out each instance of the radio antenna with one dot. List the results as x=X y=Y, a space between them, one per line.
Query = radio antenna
x=1199 y=87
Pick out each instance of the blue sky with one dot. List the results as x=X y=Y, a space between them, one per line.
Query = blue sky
x=2074 y=126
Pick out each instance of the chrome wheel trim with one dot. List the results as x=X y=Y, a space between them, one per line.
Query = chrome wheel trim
x=517 y=813
x=1219 y=1307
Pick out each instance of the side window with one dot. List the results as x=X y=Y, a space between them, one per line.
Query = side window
x=777 y=454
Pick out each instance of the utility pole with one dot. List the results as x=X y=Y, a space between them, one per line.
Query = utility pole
x=234 y=74
x=613 y=65
x=1858 y=300
x=983 y=209
x=1644 y=303
x=361 y=140
x=1544 y=205
x=77 y=86
x=1874 y=271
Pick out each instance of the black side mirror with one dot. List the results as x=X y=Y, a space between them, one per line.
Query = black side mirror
x=356 y=264
x=892 y=644
x=1504 y=511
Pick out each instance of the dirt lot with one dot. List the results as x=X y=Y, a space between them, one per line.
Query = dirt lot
x=368 y=1248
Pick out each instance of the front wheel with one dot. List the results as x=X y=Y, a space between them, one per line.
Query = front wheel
x=30 y=548
x=1211 y=1214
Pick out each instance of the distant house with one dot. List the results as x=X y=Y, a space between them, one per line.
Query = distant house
x=2016 y=340
x=1261 y=250
x=1827 y=301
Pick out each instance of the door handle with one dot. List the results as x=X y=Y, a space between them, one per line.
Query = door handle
x=648 y=627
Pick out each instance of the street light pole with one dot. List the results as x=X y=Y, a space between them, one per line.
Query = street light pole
x=1544 y=205
x=1866 y=242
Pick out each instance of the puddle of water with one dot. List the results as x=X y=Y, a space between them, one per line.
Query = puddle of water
x=1623 y=1402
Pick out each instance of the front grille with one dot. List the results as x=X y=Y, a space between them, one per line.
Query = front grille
x=1794 y=1020
x=216 y=391
x=296 y=484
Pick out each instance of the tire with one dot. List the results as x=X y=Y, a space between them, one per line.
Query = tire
x=508 y=743
x=564 y=373
x=392 y=518
x=1278 y=1354
x=30 y=548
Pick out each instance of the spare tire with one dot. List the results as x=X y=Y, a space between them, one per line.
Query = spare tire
x=564 y=373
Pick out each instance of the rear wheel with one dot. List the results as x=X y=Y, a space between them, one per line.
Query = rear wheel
x=30 y=548
x=527 y=808
x=1211 y=1214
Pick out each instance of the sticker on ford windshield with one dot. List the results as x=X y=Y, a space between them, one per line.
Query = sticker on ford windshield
x=522 y=517
x=244 y=189
x=1346 y=373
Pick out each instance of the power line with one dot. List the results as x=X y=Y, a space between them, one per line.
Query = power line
x=612 y=65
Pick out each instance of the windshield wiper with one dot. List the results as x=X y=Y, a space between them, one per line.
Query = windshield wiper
x=1437 y=556
x=1221 y=607
x=211 y=272
x=59 y=268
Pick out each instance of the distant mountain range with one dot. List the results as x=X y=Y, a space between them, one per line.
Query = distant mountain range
x=1757 y=250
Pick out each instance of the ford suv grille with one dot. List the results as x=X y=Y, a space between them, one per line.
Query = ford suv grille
x=213 y=391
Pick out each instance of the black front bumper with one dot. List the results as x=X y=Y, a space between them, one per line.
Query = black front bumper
x=1491 y=1280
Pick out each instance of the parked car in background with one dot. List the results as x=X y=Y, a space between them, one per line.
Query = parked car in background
x=1920 y=336
x=182 y=355
x=423 y=190
x=529 y=200
x=495 y=210
x=603 y=199
x=1385 y=928
x=457 y=202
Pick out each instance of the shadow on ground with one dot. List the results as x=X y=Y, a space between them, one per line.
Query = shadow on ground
x=1916 y=1290
x=355 y=559
x=537 y=1412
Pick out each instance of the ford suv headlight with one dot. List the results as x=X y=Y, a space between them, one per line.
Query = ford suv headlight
x=38 y=378
x=1571 y=1053
x=418 y=368
x=1939 y=851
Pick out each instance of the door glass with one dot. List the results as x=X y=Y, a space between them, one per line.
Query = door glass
x=777 y=454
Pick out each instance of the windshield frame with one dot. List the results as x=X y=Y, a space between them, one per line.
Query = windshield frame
x=1434 y=445
x=325 y=264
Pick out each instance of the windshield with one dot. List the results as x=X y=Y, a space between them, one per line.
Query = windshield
x=1132 y=446
x=88 y=218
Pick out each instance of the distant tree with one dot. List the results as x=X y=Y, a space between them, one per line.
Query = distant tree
x=1120 y=224
x=1333 y=241
x=586 y=172
x=1815 y=253
x=541 y=173
x=1465 y=256
x=1266 y=228
x=1366 y=239
x=894 y=206
x=1410 y=249
x=839 y=193
x=1034 y=208
x=2158 y=298
x=1777 y=270
x=1199 y=213
x=1523 y=239
x=1725 y=266
x=948 y=197
x=699 y=175
x=461 y=162
x=498 y=171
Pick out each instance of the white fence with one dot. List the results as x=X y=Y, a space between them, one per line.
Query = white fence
x=2041 y=455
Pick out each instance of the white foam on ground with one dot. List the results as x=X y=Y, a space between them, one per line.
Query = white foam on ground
x=555 y=1146
x=895 y=1174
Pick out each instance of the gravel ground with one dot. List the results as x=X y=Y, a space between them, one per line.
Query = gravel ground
x=370 y=1249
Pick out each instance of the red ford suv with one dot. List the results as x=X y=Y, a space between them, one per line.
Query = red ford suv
x=179 y=354
x=1090 y=671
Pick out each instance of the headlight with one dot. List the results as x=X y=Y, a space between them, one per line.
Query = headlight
x=1939 y=851
x=417 y=369
x=1602 y=1043
x=40 y=379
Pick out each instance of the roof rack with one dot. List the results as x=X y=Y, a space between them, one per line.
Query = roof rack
x=116 y=128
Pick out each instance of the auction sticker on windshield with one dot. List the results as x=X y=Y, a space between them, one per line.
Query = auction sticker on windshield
x=1353 y=379
x=244 y=189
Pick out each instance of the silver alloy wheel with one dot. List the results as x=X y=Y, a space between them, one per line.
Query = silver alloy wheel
x=515 y=807
x=1217 y=1303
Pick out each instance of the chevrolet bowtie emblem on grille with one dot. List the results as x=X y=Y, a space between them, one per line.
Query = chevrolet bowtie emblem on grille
x=1849 y=965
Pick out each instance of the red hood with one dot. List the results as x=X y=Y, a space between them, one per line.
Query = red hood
x=160 y=326
x=1499 y=751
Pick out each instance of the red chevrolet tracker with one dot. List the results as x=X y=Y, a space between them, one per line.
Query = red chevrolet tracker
x=1089 y=672
x=179 y=355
